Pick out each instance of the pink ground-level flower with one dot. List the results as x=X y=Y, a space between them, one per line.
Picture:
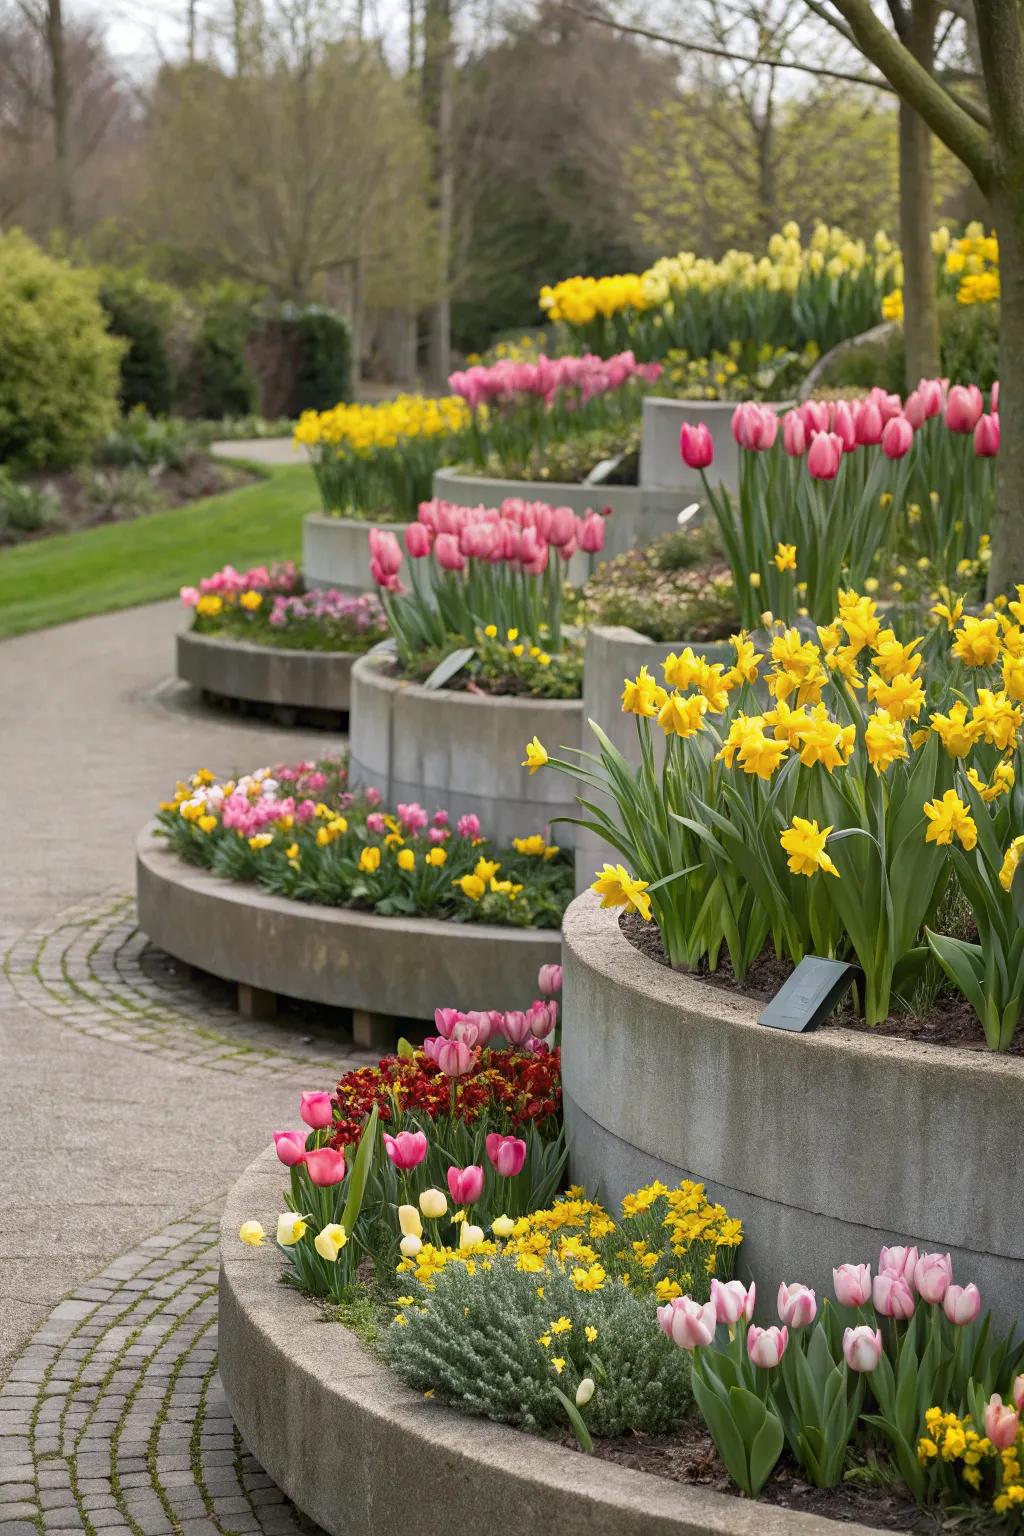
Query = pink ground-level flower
x=466 y=1185
x=766 y=1346
x=961 y=1304
x=407 y=1149
x=688 y=1324
x=506 y=1153
x=317 y=1110
x=1002 y=1424
x=325 y=1166
x=290 y=1147
x=862 y=1348
x=733 y=1301
x=798 y=1306
x=852 y=1284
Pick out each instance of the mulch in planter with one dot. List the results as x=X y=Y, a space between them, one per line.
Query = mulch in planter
x=949 y=1020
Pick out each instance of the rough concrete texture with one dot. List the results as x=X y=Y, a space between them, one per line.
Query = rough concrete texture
x=826 y=1145
x=262 y=450
x=264 y=674
x=336 y=552
x=463 y=751
x=325 y=1419
x=102 y=1145
x=638 y=514
x=615 y=653
x=403 y=967
x=660 y=461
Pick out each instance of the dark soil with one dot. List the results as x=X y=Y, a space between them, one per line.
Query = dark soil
x=949 y=1021
x=82 y=506
x=688 y=1456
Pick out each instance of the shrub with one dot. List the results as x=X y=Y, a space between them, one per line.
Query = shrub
x=26 y=508
x=223 y=377
x=141 y=312
x=142 y=442
x=324 y=360
x=58 y=363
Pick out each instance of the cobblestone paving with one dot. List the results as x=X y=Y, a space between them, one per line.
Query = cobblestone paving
x=114 y=1420
x=93 y=970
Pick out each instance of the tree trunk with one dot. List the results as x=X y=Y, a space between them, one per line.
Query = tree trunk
x=920 y=304
x=437 y=88
x=1007 y=567
x=191 y=31
x=61 y=95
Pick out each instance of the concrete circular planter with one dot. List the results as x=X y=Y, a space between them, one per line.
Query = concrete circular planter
x=639 y=514
x=460 y=750
x=613 y=653
x=264 y=674
x=383 y=968
x=660 y=463
x=827 y=1145
x=362 y=1454
x=336 y=553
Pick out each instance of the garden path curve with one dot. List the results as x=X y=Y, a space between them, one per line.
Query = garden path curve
x=131 y=1097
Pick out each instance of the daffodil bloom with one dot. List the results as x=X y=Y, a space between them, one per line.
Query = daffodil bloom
x=252 y=1233
x=617 y=888
x=977 y=642
x=682 y=717
x=884 y=740
x=643 y=696
x=471 y=886
x=805 y=843
x=260 y=841
x=486 y=869
x=536 y=756
x=330 y=1241
x=291 y=1229
x=999 y=720
x=957 y=734
x=436 y=857
x=369 y=860
x=785 y=557
x=948 y=818
x=1012 y=861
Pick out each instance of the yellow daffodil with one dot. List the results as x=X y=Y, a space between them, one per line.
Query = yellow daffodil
x=1012 y=861
x=617 y=888
x=785 y=557
x=536 y=756
x=471 y=886
x=291 y=1229
x=884 y=740
x=805 y=843
x=252 y=1233
x=330 y=1241
x=948 y=817
x=643 y=696
x=369 y=860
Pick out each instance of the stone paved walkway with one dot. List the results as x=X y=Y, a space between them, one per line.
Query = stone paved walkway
x=131 y=1097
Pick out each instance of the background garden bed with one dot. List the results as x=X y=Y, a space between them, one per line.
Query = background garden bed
x=336 y=551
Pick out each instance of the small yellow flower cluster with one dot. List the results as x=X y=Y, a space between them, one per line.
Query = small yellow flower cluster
x=955 y=1441
x=579 y=300
x=484 y=878
x=362 y=429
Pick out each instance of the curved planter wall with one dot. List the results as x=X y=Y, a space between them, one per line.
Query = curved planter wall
x=335 y=551
x=363 y=1455
x=391 y=966
x=614 y=653
x=827 y=1145
x=660 y=462
x=461 y=751
x=264 y=674
x=639 y=514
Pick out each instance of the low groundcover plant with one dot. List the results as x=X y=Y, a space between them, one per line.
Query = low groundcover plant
x=299 y=831
x=271 y=607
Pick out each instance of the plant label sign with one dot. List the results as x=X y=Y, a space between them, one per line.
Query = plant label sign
x=809 y=996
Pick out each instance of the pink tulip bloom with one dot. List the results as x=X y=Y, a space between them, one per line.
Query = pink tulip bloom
x=407 y=1149
x=507 y=1153
x=696 y=445
x=754 y=426
x=733 y=1301
x=897 y=437
x=515 y=1026
x=964 y=405
x=466 y=1185
x=418 y=540
x=317 y=1110
x=893 y=1296
x=325 y=1166
x=852 y=1284
x=468 y=826
x=465 y=1030
x=481 y=1021
x=1018 y=1393
x=898 y=1261
x=961 y=1304
x=815 y=415
x=386 y=550
x=563 y=525
x=794 y=434
x=862 y=1348
x=590 y=533
x=688 y=1324
x=549 y=979
x=766 y=1346
x=844 y=427
x=290 y=1147
x=914 y=410
x=986 y=437
x=933 y=1275
x=798 y=1306
x=448 y=554
x=455 y=1058
x=933 y=394
x=1001 y=1423
x=824 y=456
x=868 y=422
x=189 y=596
x=537 y=1047
x=995 y=398
x=431 y=1045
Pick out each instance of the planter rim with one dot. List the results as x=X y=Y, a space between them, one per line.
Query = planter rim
x=333 y=1380
x=714 y=405
x=331 y=519
x=647 y=979
x=370 y=669
x=229 y=643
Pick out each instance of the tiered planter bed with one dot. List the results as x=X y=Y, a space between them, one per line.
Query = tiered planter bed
x=382 y=968
x=460 y=750
x=363 y=1455
x=827 y=1144
x=639 y=514
x=660 y=462
x=335 y=551
x=270 y=676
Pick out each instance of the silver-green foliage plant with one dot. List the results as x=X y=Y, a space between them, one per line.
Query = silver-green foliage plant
x=478 y=1341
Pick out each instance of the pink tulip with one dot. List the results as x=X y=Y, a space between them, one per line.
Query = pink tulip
x=995 y=398
x=445 y=1020
x=888 y=405
x=852 y=1284
x=455 y=1058
x=468 y=826
x=189 y=596
x=824 y=456
x=507 y=1153
x=961 y=1304
x=798 y=1306
x=868 y=422
x=897 y=437
x=688 y=1324
x=1017 y=1392
x=932 y=393
x=590 y=533
x=1001 y=1423
x=964 y=405
x=563 y=525
x=465 y=1030
x=794 y=434
x=549 y=979
x=466 y=1185
x=898 y=1261
x=914 y=409
x=732 y=1301
x=754 y=426
x=766 y=1346
x=407 y=1149
x=933 y=1275
x=431 y=1045
x=448 y=554
x=986 y=437
x=696 y=445
x=290 y=1147
x=515 y=1026
x=862 y=1348
x=418 y=540
x=325 y=1166
x=386 y=550
x=481 y=1022
x=844 y=427
x=893 y=1296
x=317 y=1110
x=542 y=1017
x=815 y=415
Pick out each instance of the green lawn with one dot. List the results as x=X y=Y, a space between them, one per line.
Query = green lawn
x=122 y=564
